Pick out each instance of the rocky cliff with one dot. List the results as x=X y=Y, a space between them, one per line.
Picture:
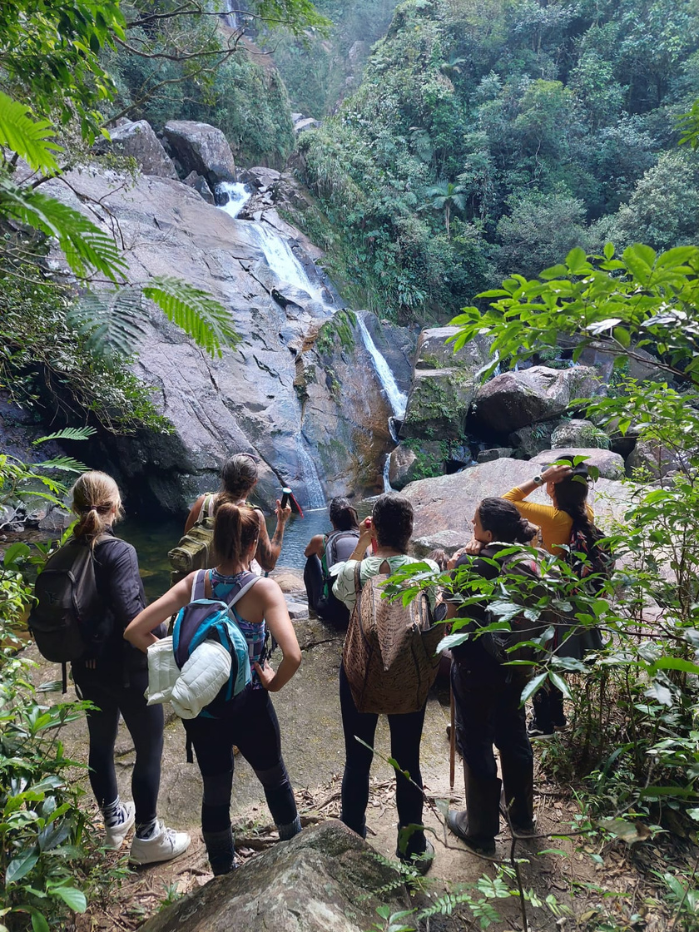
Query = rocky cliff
x=316 y=415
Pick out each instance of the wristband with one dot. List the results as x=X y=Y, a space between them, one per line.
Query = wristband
x=538 y=480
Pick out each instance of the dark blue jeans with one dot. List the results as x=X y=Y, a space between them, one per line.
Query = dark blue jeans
x=406 y=734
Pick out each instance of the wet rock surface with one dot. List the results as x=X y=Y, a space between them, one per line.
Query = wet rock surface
x=250 y=398
x=322 y=879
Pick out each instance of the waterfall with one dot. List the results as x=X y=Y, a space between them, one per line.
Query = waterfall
x=396 y=398
x=281 y=259
x=387 y=487
x=316 y=495
x=237 y=196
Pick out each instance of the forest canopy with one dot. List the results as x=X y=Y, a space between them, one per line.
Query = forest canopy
x=489 y=137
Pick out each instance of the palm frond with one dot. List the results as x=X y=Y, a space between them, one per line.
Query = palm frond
x=30 y=139
x=195 y=311
x=68 y=433
x=68 y=463
x=112 y=321
x=84 y=245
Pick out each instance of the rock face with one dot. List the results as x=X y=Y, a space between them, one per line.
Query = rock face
x=322 y=879
x=201 y=148
x=579 y=433
x=652 y=458
x=138 y=140
x=402 y=467
x=444 y=385
x=251 y=398
x=200 y=184
x=517 y=399
x=448 y=503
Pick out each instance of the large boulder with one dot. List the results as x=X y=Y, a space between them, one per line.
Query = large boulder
x=651 y=459
x=201 y=148
x=448 y=503
x=514 y=400
x=323 y=879
x=444 y=385
x=579 y=433
x=138 y=141
x=610 y=465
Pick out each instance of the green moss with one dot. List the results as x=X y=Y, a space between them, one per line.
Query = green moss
x=338 y=330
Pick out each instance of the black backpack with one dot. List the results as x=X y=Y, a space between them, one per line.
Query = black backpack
x=69 y=620
x=591 y=561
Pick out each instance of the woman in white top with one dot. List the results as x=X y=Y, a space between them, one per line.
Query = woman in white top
x=390 y=529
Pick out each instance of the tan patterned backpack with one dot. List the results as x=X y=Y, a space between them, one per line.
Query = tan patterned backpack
x=389 y=654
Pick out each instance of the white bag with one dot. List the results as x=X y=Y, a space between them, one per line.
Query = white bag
x=163 y=672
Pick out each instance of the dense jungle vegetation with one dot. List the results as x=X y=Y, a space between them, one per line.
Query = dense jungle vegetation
x=489 y=137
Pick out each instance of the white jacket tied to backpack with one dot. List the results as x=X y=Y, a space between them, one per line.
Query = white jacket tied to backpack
x=195 y=685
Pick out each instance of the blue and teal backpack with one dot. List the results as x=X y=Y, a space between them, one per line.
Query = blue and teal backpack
x=214 y=620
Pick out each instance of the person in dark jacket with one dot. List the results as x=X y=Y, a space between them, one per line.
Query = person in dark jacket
x=487 y=702
x=115 y=681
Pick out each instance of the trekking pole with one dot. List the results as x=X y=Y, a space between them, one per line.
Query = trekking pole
x=452 y=739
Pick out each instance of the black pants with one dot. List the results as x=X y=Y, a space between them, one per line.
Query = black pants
x=252 y=726
x=548 y=708
x=145 y=724
x=406 y=734
x=328 y=607
x=487 y=714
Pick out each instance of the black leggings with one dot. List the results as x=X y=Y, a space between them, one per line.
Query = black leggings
x=252 y=726
x=145 y=724
x=328 y=607
x=406 y=734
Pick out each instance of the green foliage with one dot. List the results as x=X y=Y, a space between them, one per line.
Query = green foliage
x=546 y=118
x=46 y=364
x=338 y=330
x=50 y=58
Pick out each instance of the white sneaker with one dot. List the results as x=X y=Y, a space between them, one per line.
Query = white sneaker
x=117 y=833
x=164 y=845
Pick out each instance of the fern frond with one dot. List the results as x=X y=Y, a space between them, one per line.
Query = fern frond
x=84 y=245
x=112 y=321
x=30 y=139
x=195 y=311
x=63 y=462
x=68 y=433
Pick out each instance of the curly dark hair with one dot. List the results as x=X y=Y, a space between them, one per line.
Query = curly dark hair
x=343 y=515
x=505 y=523
x=392 y=520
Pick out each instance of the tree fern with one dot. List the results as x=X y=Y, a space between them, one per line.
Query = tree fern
x=195 y=311
x=112 y=321
x=30 y=139
x=67 y=463
x=68 y=433
x=84 y=245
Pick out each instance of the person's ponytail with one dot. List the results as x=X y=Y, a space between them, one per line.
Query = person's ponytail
x=235 y=529
x=571 y=497
x=97 y=503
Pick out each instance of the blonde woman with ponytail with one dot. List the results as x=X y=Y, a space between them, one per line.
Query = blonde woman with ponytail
x=249 y=720
x=115 y=678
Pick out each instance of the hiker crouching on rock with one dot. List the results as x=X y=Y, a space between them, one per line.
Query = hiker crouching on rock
x=487 y=698
x=322 y=553
x=238 y=479
x=390 y=528
x=247 y=720
x=115 y=679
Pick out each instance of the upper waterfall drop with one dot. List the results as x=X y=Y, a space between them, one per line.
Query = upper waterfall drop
x=280 y=257
x=397 y=399
x=237 y=195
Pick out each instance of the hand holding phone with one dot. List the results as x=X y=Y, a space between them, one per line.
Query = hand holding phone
x=286 y=495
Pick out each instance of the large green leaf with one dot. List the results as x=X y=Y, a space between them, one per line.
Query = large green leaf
x=30 y=139
x=195 y=311
x=111 y=320
x=21 y=865
x=86 y=248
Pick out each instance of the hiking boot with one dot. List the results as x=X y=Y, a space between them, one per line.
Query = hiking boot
x=115 y=834
x=165 y=844
x=457 y=823
x=524 y=830
x=420 y=862
x=221 y=851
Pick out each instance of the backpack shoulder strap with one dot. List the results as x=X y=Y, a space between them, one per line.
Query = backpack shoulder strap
x=358 y=578
x=199 y=585
x=207 y=507
x=245 y=587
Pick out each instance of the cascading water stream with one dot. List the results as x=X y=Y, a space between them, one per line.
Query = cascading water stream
x=316 y=495
x=281 y=259
x=387 y=487
x=237 y=197
x=396 y=398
